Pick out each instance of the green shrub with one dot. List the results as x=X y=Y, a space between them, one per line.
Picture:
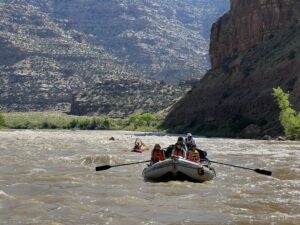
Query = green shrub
x=93 y=124
x=47 y=125
x=84 y=125
x=138 y=120
x=289 y=118
x=72 y=124
x=2 y=121
x=56 y=120
x=147 y=118
x=105 y=124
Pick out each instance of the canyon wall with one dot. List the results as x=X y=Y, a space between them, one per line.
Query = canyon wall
x=254 y=48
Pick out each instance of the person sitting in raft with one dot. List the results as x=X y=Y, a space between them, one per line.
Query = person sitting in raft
x=193 y=154
x=180 y=141
x=170 y=149
x=157 y=154
x=178 y=151
x=202 y=153
x=189 y=141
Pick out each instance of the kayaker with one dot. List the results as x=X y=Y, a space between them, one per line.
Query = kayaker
x=138 y=144
x=157 y=154
x=178 y=151
x=189 y=141
x=193 y=154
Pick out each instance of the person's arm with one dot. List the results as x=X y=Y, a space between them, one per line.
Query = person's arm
x=164 y=156
x=152 y=155
x=185 y=147
x=187 y=154
x=172 y=153
x=184 y=154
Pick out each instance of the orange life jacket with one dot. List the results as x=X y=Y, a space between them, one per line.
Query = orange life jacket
x=158 y=155
x=194 y=156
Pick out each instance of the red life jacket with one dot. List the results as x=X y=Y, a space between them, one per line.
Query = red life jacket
x=137 y=147
x=158 y=155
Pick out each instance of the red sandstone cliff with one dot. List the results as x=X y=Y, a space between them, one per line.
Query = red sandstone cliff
x=254 y=47
x=249 y=23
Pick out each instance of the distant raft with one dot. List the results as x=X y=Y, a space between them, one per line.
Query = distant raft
x=180 y=169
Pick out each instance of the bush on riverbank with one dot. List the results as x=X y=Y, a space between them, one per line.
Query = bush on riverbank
x=142 y=120
x=2 y=121
x=289 y=118
x=58 y=120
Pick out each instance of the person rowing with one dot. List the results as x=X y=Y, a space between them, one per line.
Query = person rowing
x=189 y=141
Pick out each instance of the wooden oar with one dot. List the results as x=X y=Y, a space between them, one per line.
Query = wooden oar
x=106 y=167
x=264 y=172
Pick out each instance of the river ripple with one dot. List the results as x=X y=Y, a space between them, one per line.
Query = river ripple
x=48 y=177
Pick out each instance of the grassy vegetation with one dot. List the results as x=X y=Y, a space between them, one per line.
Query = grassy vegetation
x=58 y=120
x=2 y=121
x=289 y=118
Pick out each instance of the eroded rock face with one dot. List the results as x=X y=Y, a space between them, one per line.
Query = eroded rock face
x=248 y=24
x=254 y=48
x=165 y=39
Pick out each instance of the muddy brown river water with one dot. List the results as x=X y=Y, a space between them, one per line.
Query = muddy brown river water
x=48 y=177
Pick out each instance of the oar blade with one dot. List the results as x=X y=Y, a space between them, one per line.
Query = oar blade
x=106 y=167
x=264 y=172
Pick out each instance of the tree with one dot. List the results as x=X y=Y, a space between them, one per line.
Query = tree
x=135 y=119
x=147 y=118
x=289 y=118
x=144 y=119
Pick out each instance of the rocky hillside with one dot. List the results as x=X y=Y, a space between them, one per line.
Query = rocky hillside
x=119 y=97
x=165 y=39
x=42 y=64
x=57 y=53
x=254 y=47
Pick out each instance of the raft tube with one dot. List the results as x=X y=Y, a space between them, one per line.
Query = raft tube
x=180 y=169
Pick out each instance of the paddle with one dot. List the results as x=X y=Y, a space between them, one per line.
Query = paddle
x=106 y=167
x=264 y=172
